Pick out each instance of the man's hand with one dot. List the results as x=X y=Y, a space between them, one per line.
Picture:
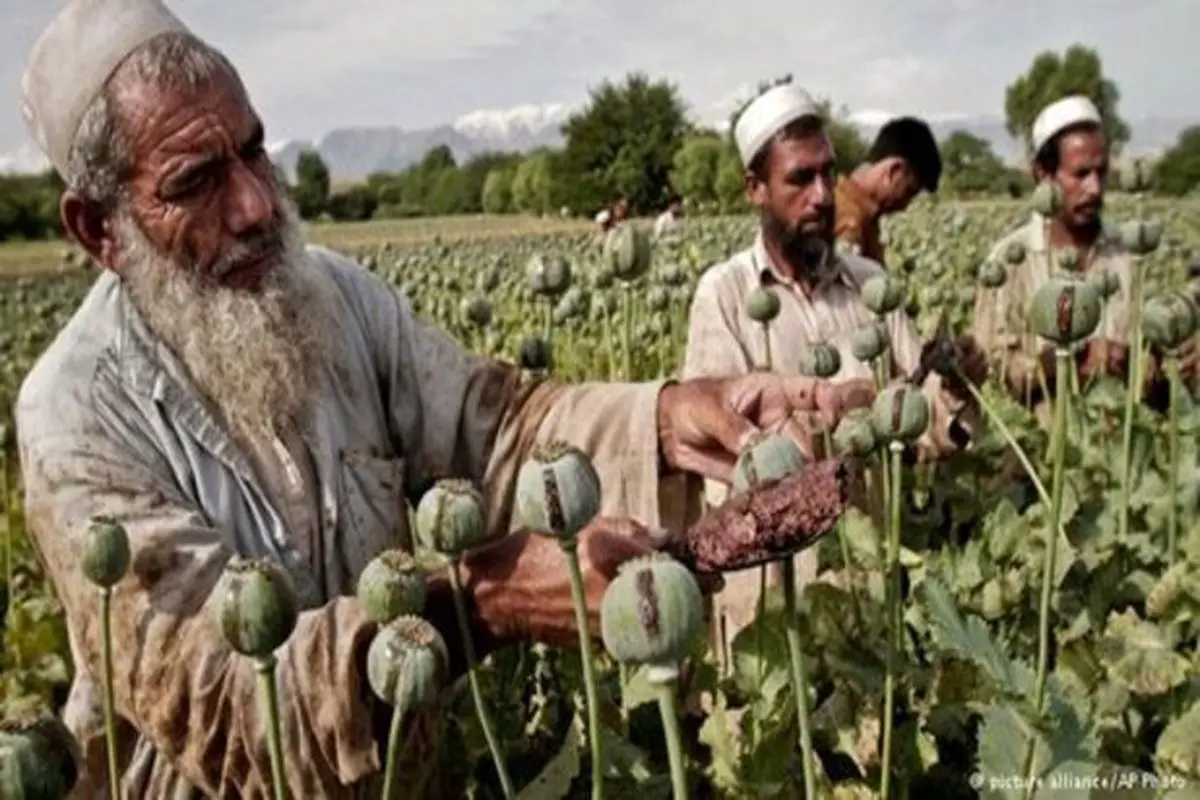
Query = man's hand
x=521 y=589
x=970 y=362
x=703 y=424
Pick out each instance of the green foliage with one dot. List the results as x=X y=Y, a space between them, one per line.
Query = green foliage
x=1052 y=77
x=311 y=191
x=29 y=206
x=1178 y=171
x=624 y=141
x=972 y=168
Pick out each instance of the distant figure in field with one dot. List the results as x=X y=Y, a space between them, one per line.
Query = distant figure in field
x=1070 y=148
x=902 y=162
x=668 y=221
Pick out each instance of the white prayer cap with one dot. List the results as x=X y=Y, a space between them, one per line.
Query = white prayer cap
x=770 y=113
x=1060 y=115
x=73 y=59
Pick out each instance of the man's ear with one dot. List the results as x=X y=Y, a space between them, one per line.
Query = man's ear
x=756 y=189
x=89 y=226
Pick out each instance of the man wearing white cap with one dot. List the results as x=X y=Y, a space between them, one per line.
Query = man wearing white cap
x=223 y=389
x=1069 y=148
x=790 y=181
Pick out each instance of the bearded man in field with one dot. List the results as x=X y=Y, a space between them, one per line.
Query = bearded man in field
x=1071 y=150
x=223 y=390
x=789 y=163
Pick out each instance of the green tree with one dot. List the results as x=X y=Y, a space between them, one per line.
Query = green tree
x=533 y=190
x=731 y=185
x=312 y=184
x=1178 y=171
x=624 y=140
x=696 y=166
x=1052 y=77
x=971 y=166
x=497 y=194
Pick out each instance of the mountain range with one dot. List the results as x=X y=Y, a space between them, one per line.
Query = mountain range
x=353 y=153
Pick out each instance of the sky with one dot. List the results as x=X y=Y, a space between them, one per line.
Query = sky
x=315 y=65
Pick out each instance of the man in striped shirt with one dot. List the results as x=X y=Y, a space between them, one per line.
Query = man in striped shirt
x=789 y=179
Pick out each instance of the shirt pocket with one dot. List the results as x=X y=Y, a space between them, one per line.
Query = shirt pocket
x=375 y=512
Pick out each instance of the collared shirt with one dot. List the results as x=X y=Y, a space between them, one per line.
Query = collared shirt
x=109 y=424
x=857 y=219
x=723 y=340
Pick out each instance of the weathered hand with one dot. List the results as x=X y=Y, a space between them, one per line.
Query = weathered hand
x=521 y=589
x=704 y=423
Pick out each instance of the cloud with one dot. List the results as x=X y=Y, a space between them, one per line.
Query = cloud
x=312 y=65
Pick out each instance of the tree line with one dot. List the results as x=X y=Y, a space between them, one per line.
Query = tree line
x=634 y=139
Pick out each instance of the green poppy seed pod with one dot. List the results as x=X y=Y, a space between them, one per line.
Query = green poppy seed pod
x=408 y=664
x=1141 y=236
x=627 y=250
x=883 y=294
x=1136 y=177
x=1014 y=253
x=1047 y=199
x=105 y=558
x=762 y=305
x=767 y=456
x=900 y=414
x=256 y=606
x=820 y=360
x=450 y=518
x=1068 y=260
x=870 y=342
x=39 y=759
x=1169 y=320
x=535 y=353
x=391 y=586
x=558 y=491
x=652 y=613
x=1065 y=311
x=855 y=435
x=992 y=275
x=477 y=311
x=548 y=276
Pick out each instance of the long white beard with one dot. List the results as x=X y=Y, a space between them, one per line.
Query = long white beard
x=256 y=354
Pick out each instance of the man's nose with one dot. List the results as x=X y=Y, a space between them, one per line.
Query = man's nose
x=251 y=203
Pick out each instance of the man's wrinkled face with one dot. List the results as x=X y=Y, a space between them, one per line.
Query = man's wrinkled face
x=796 y=199
x=203 y=188
x=212 y=256
x=1083 y=176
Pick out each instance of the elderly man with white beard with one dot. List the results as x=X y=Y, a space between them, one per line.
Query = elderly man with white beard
x=224 y=390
